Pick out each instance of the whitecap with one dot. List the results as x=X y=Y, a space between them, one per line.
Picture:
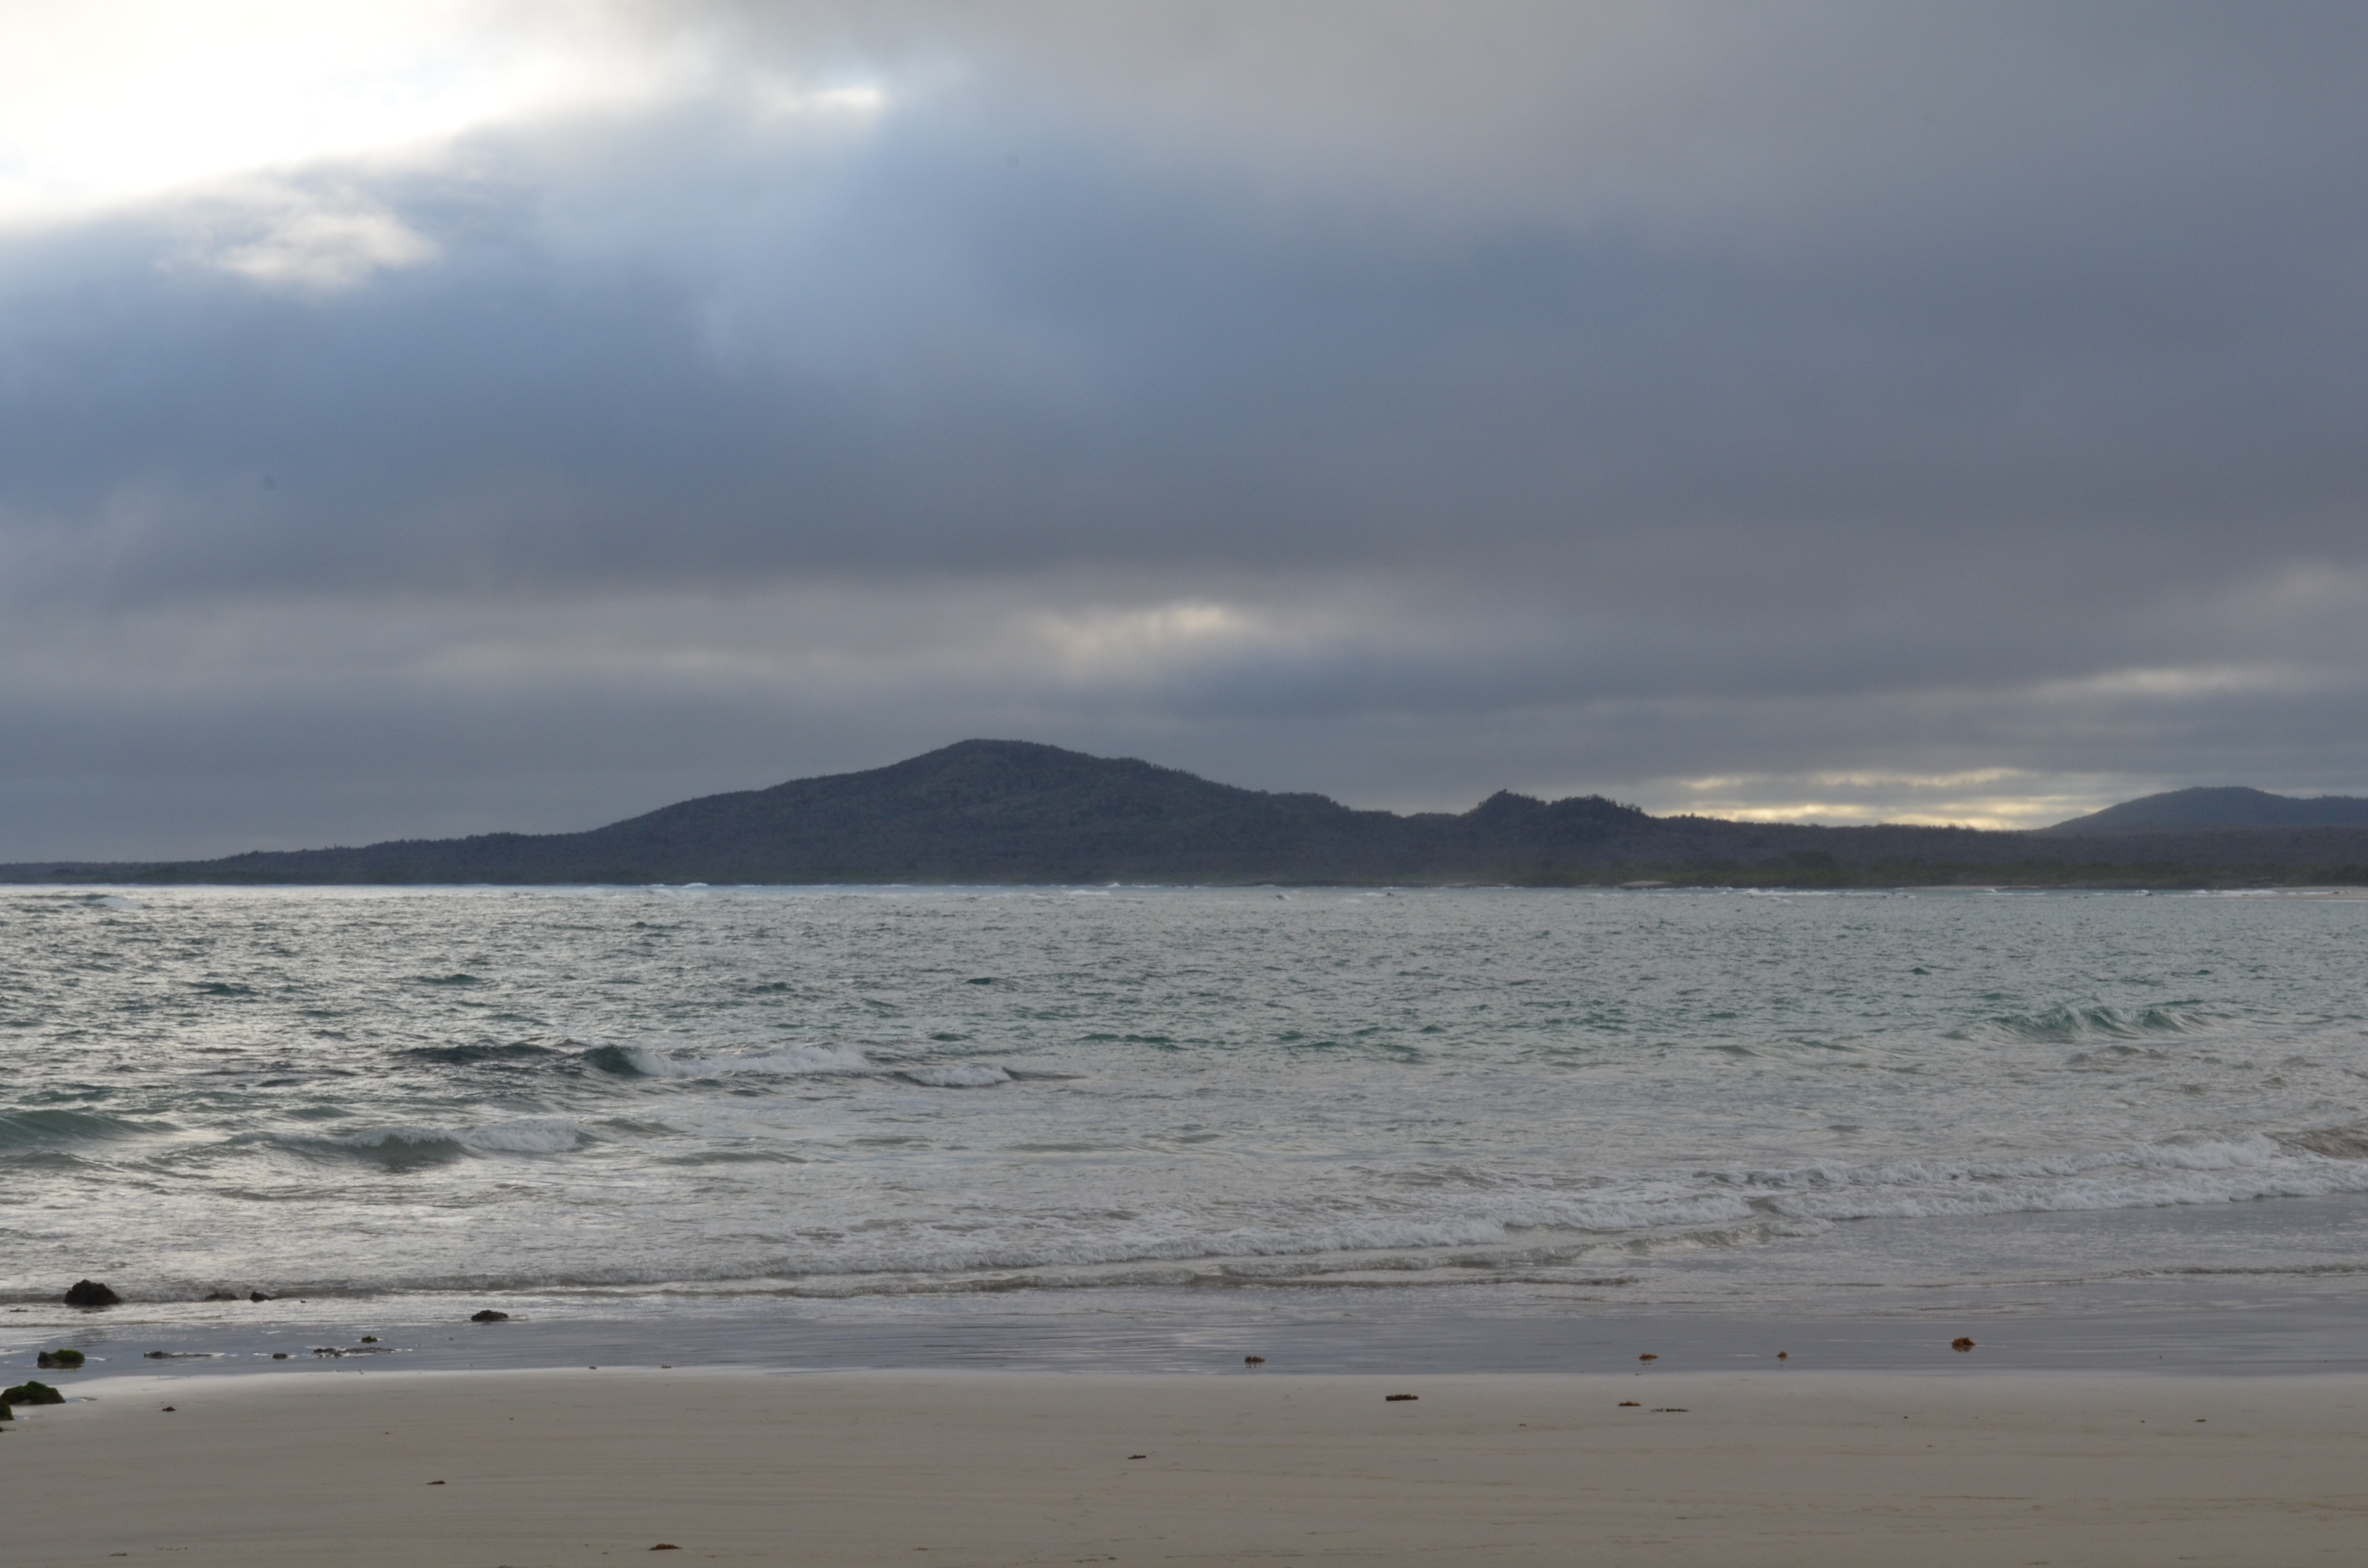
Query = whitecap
x=538 y=1136
x=957 y=1075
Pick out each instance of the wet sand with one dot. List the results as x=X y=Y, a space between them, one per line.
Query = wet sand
x=1775 y=1467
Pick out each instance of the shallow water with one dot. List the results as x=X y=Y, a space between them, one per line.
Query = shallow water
x=605 y=1102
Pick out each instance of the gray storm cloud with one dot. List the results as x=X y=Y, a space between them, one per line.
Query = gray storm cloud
x=1943 y=412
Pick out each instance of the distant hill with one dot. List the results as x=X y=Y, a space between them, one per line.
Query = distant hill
x=2227 y=806
x=982 y=811
x=1012 y=812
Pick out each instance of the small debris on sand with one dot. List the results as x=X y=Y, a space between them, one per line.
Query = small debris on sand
x=1138 y=1456
x=1961 y=1344
x=1253 y=1360
x=1632 y=1404
x=1669 y=1410
x=489 y=1315
x=1648 y=1355
x=1394 y=1398
x=1783 y=1355
x=665 y=1546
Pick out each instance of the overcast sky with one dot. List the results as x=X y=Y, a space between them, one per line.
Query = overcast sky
x=429 y=417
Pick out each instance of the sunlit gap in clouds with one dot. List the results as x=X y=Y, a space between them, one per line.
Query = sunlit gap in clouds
x=1985 y=798
x=1101 y=643
x=109 y=105
x=112 y=105
x=855 y=101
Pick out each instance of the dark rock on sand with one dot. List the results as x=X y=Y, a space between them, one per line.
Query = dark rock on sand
x=1961 y=1344
x=63 y=1360
x=489 y=1315
x=91 y=1293
x=222 y=1296
x=32 y=1393
x=256 y=1296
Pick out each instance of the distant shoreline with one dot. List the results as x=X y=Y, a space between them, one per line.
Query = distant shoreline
x=1015 y=813
x=2192 y=880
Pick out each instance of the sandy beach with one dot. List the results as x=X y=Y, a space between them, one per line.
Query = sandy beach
x=1778 y=1467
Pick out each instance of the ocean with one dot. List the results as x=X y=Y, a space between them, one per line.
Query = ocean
x=1142 y=1122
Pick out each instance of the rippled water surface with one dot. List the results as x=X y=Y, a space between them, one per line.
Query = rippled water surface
x=626 y=1097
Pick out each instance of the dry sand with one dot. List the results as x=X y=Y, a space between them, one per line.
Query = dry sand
x=1781 y=1467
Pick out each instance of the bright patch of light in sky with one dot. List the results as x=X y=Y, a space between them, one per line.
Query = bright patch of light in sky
x=781 y=99
x=1102 y=641
x=105 y=104
x=108 y=104
x=1996 y=798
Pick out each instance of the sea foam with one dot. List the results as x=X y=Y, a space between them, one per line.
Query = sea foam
x=958 y=1075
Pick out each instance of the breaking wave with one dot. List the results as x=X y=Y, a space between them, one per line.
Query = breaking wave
x=962 y=1075
x=2146 y=1176
x=537 y=1136
x=2069 y=1026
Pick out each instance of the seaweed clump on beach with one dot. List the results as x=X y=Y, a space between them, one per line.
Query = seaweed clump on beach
x=32 y=1393
x=63 y=1360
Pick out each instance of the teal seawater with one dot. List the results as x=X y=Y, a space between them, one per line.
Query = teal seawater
x=635 y=1095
